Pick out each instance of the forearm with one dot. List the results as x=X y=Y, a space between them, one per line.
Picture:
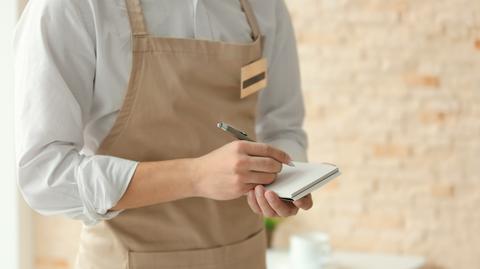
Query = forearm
x=224 y=174
x=159 y=182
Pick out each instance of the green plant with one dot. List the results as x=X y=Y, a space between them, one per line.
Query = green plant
x=270 y=225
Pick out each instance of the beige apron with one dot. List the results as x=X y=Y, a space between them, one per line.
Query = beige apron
x=178 y=90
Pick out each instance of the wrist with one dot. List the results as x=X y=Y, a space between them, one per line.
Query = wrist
x=193 y=176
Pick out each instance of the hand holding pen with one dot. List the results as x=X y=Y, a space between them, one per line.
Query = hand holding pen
x=241 y=168
x=240 y=135
x=262 y=201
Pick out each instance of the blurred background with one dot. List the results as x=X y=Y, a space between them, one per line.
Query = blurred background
x=392 y=95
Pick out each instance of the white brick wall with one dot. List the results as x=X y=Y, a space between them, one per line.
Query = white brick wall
x=392 y=90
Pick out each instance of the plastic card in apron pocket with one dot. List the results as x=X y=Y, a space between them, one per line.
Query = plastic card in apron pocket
x=254 y=78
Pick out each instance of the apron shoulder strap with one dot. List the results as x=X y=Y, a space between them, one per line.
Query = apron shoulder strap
x=251 y=18
x=137 y=20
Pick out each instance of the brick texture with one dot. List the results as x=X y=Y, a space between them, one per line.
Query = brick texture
x=392 y=92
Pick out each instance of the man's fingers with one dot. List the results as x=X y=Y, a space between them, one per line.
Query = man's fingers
x=248 y=187
x=267 y=211
x=264 y=164
x=282 y=208
x=263 y=150
x=252 y=202
x=260 y=178
x=304 y=203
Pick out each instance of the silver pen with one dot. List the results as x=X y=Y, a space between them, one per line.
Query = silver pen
x=240 y=135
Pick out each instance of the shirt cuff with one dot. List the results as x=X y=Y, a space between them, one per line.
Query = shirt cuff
x=102 y=183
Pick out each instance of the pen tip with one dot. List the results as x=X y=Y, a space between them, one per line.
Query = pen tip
x=291 y=164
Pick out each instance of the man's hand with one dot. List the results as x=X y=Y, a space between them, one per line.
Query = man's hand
x=236 y=168
x=268 y=204
x=223 y=174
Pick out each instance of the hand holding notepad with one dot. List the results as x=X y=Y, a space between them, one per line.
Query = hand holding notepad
x=296 y=182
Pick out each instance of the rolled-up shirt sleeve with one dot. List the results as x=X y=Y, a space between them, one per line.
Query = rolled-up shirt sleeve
x=281 y=111
x=54 y=77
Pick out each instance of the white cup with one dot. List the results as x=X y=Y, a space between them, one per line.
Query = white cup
x=309 y=250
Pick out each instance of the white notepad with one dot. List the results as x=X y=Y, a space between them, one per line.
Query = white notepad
x=294 y=183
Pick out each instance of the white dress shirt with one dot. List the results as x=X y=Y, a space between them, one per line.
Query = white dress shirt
x=72 y=66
